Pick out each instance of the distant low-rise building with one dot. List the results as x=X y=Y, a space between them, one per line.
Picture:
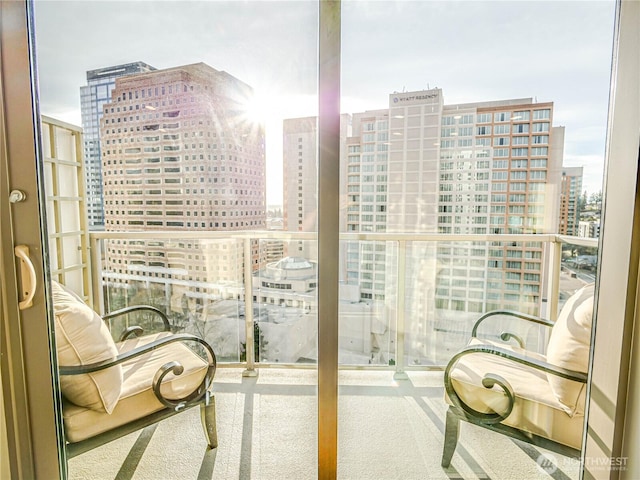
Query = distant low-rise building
x=589 y=229
x=285 y=299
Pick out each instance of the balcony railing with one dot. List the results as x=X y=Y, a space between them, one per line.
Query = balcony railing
x=420 y=292
x=417 y=320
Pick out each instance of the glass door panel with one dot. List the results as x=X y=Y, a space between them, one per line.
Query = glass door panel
x=473 y=133
x=197 y=195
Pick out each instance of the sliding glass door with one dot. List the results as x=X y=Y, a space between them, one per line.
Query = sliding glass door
x=197 y=194
x=471 y=131
x=329 y=193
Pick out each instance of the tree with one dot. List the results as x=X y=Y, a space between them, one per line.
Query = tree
x=259 y=344
x=582 y=203
x=596 y=199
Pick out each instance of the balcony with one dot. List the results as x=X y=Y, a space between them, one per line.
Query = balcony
x=408 y=302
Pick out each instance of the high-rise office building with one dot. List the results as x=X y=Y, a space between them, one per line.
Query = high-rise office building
x=570 y=191
x=180 y=152
x=93 y=96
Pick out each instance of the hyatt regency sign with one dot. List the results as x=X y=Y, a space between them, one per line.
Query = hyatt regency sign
x=414 y=97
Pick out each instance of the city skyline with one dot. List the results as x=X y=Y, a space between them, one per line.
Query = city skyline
x=496 y=50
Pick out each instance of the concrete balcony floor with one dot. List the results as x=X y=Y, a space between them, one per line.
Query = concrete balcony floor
x=267 y=429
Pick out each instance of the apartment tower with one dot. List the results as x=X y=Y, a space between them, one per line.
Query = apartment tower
x=499 y=173
x=366 y=181
x=570 y=191
x=300 y=180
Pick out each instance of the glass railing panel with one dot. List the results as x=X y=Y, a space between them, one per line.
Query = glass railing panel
x=449 y=285
x=198 y=283
x=446 y=286
x=579 y=265
x=368 y=298
x=285 y=307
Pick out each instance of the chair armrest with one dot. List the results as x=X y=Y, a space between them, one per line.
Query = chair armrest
x=490 y=379
x=135 y=308
x=173 y=366
x=133 y=330
x=505 y=336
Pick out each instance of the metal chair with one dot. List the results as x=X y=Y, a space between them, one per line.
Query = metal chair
x=111 y=389
x=533 y=397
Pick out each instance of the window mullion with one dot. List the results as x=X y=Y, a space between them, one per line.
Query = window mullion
x=328 y=235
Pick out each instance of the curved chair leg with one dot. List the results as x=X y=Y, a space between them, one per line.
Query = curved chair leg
x=451 y=433
x=208 y=417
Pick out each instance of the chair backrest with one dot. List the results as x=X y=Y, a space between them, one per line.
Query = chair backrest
x=569 y=346
x=83 y=338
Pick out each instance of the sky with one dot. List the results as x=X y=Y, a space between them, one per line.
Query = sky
x=473 y=50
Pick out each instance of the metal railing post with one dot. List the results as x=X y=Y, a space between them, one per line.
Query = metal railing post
x=250 y=352
x=555 y=265
x=96 y=274
x=400 y=374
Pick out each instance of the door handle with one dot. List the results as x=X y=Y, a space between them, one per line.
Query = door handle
x=28 y=276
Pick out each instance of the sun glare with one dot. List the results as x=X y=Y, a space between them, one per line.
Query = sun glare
x=257 y=109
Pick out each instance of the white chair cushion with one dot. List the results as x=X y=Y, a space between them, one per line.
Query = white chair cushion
x=569 y=346
x=137 y=399
x=536 y=409
x=83 y=338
